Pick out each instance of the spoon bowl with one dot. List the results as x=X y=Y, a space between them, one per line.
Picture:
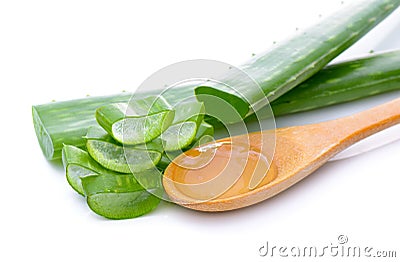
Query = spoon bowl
x=239 y=171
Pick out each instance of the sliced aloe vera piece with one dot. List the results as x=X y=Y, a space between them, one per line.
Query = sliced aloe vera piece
x=110 y=183
x=121 y=197
x=188 y=118
x=179 y=136
x=122 y=205
x=77 y=164
x=204 y=135
x=122 y=159
x=106 y=151
x=137 y=122
x=205 y=129
x=98 y=133
x=74 y=173
x=153 y=145
x=189 y=111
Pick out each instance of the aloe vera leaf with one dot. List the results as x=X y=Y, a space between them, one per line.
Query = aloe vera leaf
x=129 y=125
x=343 y=82
x=288 y=64
x=67 y=121
x=121 y=197
x=77 y=164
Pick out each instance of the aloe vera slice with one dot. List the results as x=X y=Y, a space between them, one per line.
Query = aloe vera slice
x=293 y=61
x=98 y=133
x=137 y=122
x=77 y=164
x=188 y=118
x=179 y=136
x=108 y=153
x=189 y=111
x=204 y=135
x=110 y=183
x=122 y=159
x=121 y=197
x=153 y=145
x=122 y=205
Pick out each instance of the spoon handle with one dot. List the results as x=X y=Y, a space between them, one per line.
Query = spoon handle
x=383 y=138
x=351 y=129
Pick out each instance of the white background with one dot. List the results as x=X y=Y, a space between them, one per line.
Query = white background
x=67 y=49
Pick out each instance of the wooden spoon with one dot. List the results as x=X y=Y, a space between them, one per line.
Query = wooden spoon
x=241 y=171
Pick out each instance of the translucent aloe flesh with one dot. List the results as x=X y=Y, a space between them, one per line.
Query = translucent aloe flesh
x=189 y=111
x=182 y=132
x=179 y=136
x=122 y=159
x=111 y=155
x=204 y=134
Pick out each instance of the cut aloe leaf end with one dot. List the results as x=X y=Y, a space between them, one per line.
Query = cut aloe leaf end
x=74 y=173
x=122 y=159
x=77 y=164
x=219 y=98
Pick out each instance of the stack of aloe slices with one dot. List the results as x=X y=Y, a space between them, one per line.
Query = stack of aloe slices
x=120 y=171
x=110 y=142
